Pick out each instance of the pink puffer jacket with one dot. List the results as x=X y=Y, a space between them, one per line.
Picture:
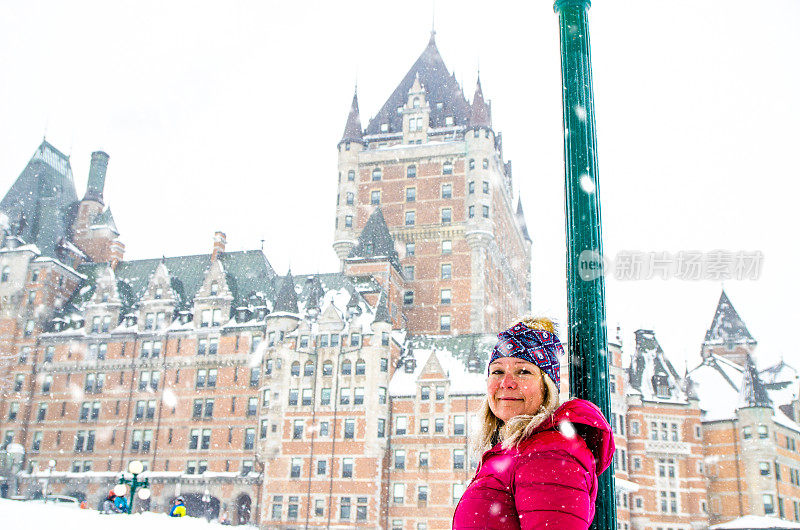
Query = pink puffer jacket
x=549 y=481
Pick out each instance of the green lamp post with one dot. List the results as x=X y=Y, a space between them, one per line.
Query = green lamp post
x=587 y=338
x=135 y=468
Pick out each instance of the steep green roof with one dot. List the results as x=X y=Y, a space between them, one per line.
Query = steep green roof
x=247 y=272
x=40 y=204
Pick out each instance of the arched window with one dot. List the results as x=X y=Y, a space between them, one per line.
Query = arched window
x=296 y=368
x=308 y=369
x=327 y=368
x=361 y=367
x=347 y=368
x=377 y=173
x=5 y=274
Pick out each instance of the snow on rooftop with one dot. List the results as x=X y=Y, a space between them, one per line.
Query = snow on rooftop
x=717 y=383
x=755 y=522
x=404 y=384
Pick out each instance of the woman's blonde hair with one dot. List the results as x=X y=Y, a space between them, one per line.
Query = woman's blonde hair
x=493 y=430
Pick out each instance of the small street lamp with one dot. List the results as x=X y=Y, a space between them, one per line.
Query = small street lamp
x=135 y=468
x=51 y=464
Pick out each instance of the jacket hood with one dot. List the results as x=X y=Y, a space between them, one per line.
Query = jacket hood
x=581 y=417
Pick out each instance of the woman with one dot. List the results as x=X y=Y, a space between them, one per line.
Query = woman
x=541 y=460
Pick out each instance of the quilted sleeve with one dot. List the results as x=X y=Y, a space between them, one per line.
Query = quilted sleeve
x=553 y=490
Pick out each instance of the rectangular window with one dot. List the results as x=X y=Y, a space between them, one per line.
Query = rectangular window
x=444 y=323
x=424 y=426
x=381 y=428
x=344 y=396
x=349 y=429
x=249 y=438
x=485 y=187
x=411 y=172
x=458 y=425
x=401 y=425
x=358 y=396
x=471 y=212
x=411 y=194
x=458 y=459
x=307 y=397
x=447 y=246
x=447 y=271
x=447 y=215
x=344 y=508
x=399 y=459
x=447 y=191
x=423 y=459
x=438 y=426
x=410 y=248
x=322 y=467
x=296 y=466
x=347 y=467
x=485 y=211
x=445 y=296
x=375 y=197
x=408 y=298
x=297 y=429
x=399 y=493
x=411 y=217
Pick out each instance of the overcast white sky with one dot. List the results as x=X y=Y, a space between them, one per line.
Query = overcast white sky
x=225 y=116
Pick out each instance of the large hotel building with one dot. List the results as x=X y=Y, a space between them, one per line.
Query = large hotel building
x=343 y=399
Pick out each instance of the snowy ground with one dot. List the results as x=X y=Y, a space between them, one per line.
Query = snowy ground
x=33 y=515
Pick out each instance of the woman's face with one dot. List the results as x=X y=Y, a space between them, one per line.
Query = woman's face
x=514 y=387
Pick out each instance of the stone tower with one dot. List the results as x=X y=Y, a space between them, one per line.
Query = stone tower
x=433 y=163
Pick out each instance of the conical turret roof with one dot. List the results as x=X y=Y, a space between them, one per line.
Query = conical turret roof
x=481 y=113
x=382 y=310
x=521 y=220
x=352 y=130
x=753 y=393
x=286 y=300
x=442 y=92
x=376 y=241
x=727 y=326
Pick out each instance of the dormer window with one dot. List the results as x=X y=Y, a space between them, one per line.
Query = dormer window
x=368 y=249
x=214 y=288
x=384 y=127
x=448 y=120
x=415 y=103
x=439 y=105
x=661 y=386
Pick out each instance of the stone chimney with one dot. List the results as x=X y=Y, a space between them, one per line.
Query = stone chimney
x=219 y=245
x=115 y=253
x=97 y=177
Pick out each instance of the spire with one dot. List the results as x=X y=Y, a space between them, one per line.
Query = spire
x=522 y=224
x=352 y=130
x=376 y=241
x=727 y=326
x=442 y=93
x=753 y=393
x=382 y=309
x=286 y=301
x=481 y=114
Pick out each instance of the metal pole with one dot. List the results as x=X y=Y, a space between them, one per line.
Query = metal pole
x=134 y=485
x=587 y=339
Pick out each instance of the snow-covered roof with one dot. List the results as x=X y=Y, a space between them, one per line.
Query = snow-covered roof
x=718 y=382
x=755 y=522
x=453 y=354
